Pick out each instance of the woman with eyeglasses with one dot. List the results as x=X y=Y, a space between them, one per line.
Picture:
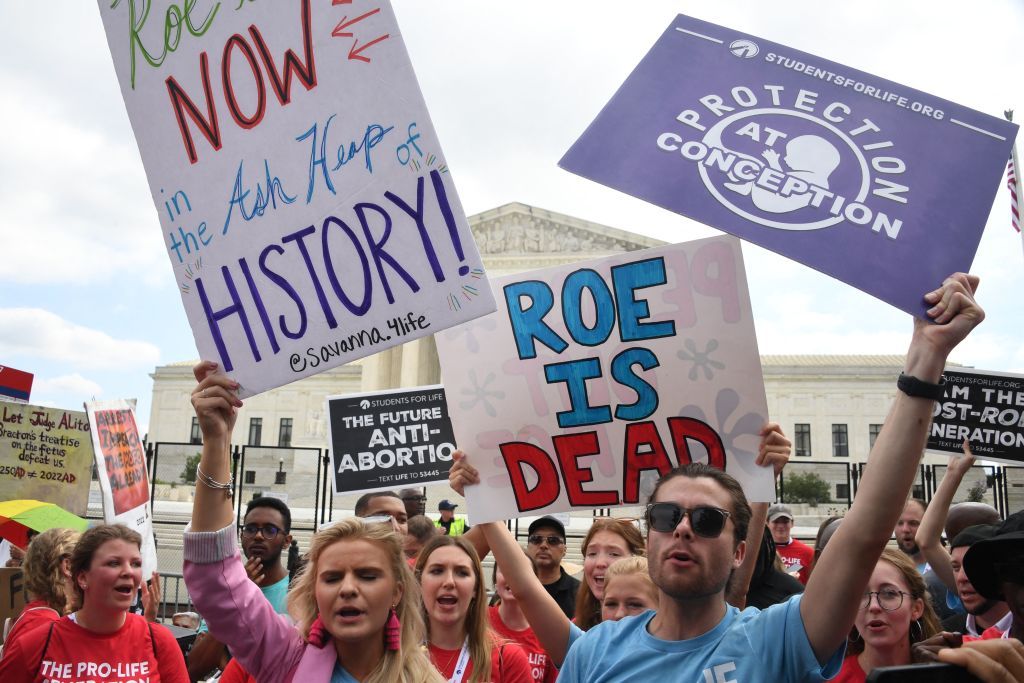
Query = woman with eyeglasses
x=895 y=614
x=459 y=638
x=356 y=603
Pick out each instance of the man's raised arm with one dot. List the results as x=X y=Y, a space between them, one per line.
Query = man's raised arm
x=836 y=588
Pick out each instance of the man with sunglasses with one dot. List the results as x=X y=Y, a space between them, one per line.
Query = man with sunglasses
x=265 y=534
x=698 y=520
x=545 y=543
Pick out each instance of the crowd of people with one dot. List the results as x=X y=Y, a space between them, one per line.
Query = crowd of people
x=706 y=587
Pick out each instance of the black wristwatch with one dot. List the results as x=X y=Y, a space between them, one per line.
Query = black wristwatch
x=912 y=386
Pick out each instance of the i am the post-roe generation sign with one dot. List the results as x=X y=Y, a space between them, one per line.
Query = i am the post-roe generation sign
x=303 y=197
x=879 y=185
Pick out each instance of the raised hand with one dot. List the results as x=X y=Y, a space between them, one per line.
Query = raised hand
x=953 y=311
x=775 y=448
x=215 y=400
x=462 y=474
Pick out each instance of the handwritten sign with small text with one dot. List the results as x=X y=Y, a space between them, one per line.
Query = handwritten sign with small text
x=596 y=378
x=305 y=204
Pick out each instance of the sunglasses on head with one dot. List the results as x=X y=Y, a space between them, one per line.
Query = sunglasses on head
x=706 y=521
x=537 y=539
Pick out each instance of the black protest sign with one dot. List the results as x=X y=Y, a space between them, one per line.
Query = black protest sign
x=390 y=439
x=983 y=407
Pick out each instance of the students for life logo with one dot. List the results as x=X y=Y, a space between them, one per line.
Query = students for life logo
x=790 y=158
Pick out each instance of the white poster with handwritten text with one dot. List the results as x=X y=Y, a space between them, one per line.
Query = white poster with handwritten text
x=593 y=379
x=304 y=201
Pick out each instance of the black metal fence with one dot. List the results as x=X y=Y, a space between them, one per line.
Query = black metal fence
x=1001 y=486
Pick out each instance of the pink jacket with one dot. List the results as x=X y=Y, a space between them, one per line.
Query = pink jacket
x=263 y=641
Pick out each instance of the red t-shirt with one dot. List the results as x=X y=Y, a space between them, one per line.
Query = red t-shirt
x=797 y=553
x=541 y=667
x=851 y=672
x=508 y=663
x=36 y=613
x=234 y=673
x=991 y=633
x=68 y=653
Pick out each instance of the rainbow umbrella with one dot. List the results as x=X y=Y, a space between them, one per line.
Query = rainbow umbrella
x=18 y=517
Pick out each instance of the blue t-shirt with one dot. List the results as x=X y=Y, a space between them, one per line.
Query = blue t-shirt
x=752 y=645
x=340 y=675
x=276 y=594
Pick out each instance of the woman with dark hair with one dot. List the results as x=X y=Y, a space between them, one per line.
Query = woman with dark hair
x=895 y=614
x=459 y=637
x=101 y=641
x=47 y=571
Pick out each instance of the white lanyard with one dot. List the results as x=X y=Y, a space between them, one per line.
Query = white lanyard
x=461 y=664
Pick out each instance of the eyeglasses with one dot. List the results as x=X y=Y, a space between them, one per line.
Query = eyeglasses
x=269 y=531
x=417 y=499
x=889 y=599
x=705 y=520
x=553 y=541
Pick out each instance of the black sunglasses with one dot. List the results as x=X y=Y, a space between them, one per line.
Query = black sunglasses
x=269 y=531
x=705 y=520
x=553 y=541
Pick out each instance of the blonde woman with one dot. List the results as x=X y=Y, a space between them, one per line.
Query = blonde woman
x=47 y=572
x=628 y=589
x=608 y=540
x=459 y=638
x=356 y=603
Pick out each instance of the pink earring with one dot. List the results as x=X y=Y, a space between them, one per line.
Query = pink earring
x=393 y=632
x=317 y=633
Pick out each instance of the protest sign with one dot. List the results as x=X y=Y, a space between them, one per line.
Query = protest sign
x=121 y=468
x=45 y=454
x=389 y=439
x=15 y=385
x=874 y=183
x=595 y=378
x=304 y=200
x=986 y=408
x=13 y=595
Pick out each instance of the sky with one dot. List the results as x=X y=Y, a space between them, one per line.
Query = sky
x=88 y=302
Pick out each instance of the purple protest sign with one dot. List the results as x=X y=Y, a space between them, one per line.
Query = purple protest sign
x=877 y=184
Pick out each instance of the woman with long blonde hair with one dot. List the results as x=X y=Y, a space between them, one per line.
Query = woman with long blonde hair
x=459 y=637
x=356 y=603
x=47 y=571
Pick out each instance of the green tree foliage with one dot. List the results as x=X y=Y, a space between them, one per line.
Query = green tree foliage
x=976 y=494
x=188 y=475
x=805 y=487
